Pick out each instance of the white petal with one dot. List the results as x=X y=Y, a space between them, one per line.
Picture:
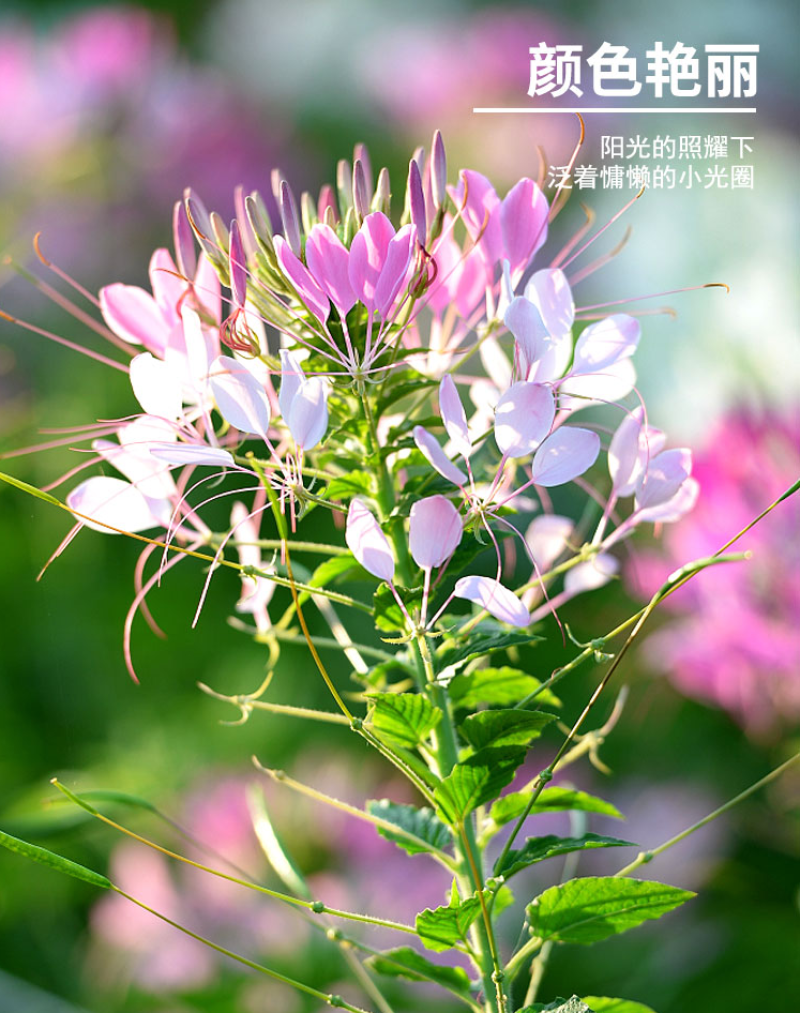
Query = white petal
x=240 y=398
x=665 y=474
x=429 y=446
x=566 y=454
x=591 y=574
x=190 y=453
x=547 y=537
x=454 y=416
x=368 y=543
x=114 y=502
x=157 y=386
x=308 y=413
x=523 y=417
x=496 y=599
x=606 y=342
x=673 y=509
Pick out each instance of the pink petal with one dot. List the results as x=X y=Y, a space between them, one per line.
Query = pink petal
x=632 y=447
x=395 y=268
x=454 y=416
x=241 y=399
x=523 y=418
x=496 y=599
x=308 y=414
x=606 y=342
x=434 y=531
x=547 y=537
x=298 y=274
x=368 y=253
x=328 y=261
x=111 y=501
x=168 y=289
x=157 y=386
x=523 y=222
x=481 y=213
x=549 y=290
x=525 y=322
x=566 y=454
x=368 y=543
x=429 y=446
x=133 y=315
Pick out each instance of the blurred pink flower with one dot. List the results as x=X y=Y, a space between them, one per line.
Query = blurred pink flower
x=735 y=640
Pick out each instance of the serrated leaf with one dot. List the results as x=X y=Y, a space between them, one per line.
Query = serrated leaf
x=512 y=806
x=537 y=849
x=403 y=962
x=504 y=727
x=592 y=908
x=354 y=483
x=388 y=617
x=476 y=781
x=498 y=686
x=479 y=645
x=440 y=928
x=423 y=823
x=405 y=719
x=53 y=861
x=602 y=1004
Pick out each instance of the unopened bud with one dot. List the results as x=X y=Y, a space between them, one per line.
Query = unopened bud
x=308 y=211
x=438 y=170
x=344 y=185
x=360 y=154
x=416 y=201
x=327 y=201
x=382 y=197
x=220 y=232
x=290 y=219
x=237 y=267
x=183 y=239
x=360 y=195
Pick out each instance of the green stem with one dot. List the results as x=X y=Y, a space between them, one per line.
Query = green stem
x=648 y=856
x=330 y=1000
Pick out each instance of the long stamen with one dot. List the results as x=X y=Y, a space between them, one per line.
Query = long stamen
x=556 y=207
x=606 y=258
x=570 y=245
x=653 y=295
x=600 y=231
x=65 y=342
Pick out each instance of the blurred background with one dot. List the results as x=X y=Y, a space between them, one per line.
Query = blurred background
x=106 y=113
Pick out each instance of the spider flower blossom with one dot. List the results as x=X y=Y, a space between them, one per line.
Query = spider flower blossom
x=333 y=300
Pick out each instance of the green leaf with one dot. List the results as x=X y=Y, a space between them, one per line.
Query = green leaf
x=31 y=490
x=504 y=727
x=476 y=781
x=537 y=849
x=512 y=806
x=404 y=962
x=405 y=719
x=423 y=823
x=592 y=908
x=439 y=929
x=602 y=1004
x=499 y=686
x=405 y=384
x=354 y=483
x=54 y=861
x=388 y=617
x=479 y=645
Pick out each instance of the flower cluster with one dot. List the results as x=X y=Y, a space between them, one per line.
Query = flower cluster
x=346 y=315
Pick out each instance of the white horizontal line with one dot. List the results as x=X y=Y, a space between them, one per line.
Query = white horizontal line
x=612 y=109
x=735 y=47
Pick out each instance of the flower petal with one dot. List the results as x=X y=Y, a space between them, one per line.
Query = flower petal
x=240 y=398
x=523 y=417
x=328 y=261
x=674 y=508
x=606 y=342
x=566 y=454
x=368 y=543
x=491 y=595
x=298 y=274
x=665 y=474
x=133 y=315
x=525 y=322
x=523 y=222
x=191 y=453
x=591 y=574
x=308 y=414
x=368 y=253
x=454 y=416
x=547 y=537
x=111 y=501
x=429 y=446
x=549 y=291
x=157 y=386
x=434 y=531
